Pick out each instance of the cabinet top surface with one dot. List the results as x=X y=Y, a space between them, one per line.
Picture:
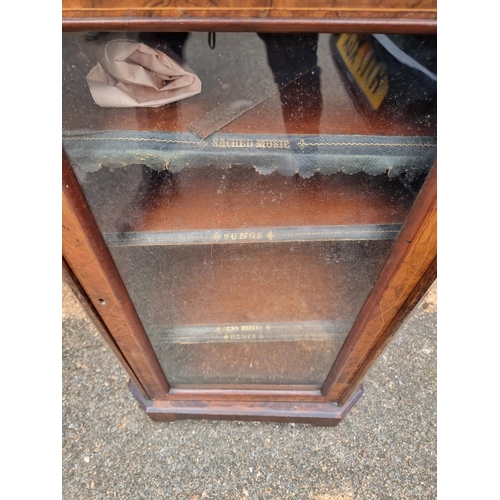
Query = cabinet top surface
x=252 y=15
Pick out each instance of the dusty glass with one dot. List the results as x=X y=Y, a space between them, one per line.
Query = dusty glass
x=250 y=217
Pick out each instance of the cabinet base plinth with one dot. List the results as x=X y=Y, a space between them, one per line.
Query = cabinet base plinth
x=316 y=413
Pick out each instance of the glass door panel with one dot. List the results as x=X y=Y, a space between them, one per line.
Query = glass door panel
x=250 y=217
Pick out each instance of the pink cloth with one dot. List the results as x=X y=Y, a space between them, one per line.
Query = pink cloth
x=130 y=74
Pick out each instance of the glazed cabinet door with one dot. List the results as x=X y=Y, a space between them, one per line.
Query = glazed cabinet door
x=250 y=212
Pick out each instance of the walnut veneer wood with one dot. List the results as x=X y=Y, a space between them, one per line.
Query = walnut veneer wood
x=87 y=255
x=409 y=271
x=393 y=16
x=303 y=411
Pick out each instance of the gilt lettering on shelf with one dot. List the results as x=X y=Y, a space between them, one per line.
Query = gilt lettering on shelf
x=255 y=235
x=258 y=332
x=302 y=155
x=249 y=143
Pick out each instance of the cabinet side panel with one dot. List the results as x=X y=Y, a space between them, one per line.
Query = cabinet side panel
x=88 y=257
x=85 y=302
x=410 y=267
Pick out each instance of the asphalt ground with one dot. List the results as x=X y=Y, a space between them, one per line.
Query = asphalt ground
x=384 y=448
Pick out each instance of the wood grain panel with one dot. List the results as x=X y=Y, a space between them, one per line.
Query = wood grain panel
x=87 y=305
x=312 y=412
x=417 y=293
x=410 y=268
x=87 y=255
x=253 y=15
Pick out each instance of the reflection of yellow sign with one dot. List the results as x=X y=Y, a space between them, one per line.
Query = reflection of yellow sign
x=369 y=73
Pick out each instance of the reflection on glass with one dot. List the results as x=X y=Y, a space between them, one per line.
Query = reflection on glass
x=250 y=222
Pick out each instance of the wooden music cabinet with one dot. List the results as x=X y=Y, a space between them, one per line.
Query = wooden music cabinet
x=249 y=248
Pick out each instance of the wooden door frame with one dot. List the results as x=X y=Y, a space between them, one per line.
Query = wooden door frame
x=407 y=274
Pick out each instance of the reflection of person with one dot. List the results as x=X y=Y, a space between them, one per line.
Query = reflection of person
x=288 y=56
x=173 y=41
x=156 y=186
x=160 y=41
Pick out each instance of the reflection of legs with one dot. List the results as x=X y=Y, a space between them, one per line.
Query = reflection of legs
x=156 y=185
x=302 y=103
x=173 y=45
x=156 y=181
x=289 y=56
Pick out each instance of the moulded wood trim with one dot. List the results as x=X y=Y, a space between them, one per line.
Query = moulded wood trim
x=335 y=25
x=317 y=413
x=398 y=320
x=391 y=16
x=408 y=272
x=87 y=255
x=246 y=395
x=83 y=299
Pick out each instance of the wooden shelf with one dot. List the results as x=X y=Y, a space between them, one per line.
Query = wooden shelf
x=224 y=204
x=301 y=295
